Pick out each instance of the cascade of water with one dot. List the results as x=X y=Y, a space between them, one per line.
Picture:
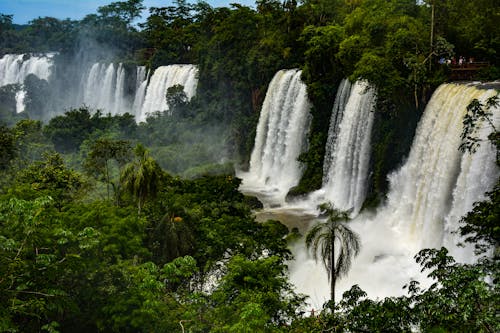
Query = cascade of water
x=140 y=76
x=427 y=196
x=14 y=68
x=120 y=104
x=478 y=174
x=20 y=96
x=104 y=88
x=140 y=91
x=421 y=191
x=348 y=149
x=341 y=99
x=163 y=78
x=281 y=136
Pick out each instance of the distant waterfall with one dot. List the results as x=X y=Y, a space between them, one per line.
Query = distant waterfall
x=14 y=68
x=20 y=96
x=163 y=78
x=104 y=88
x=141 y=84
x=281 y=135
x=348 y=146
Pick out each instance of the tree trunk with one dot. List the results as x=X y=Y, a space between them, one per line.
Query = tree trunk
x=332 y=275
x=107 y=177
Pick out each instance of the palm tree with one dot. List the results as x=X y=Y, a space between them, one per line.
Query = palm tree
x=321 y=239
x=141 y=176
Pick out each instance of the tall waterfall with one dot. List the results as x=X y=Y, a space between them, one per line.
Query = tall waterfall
x=14 y=68
x=141 y=84
x=348 y=146
x=427 y=197
x=436 y=175
x=163 y=78
x=340 y=102
x=104 y=88
x=281 y=135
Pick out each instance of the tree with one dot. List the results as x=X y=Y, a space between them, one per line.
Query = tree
x=49 y=177
x=177 y=101
x=141 y=177
x=8 y=149
x=103 y=152
x=321 y=238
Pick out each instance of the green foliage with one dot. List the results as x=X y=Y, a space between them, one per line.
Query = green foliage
x=49 y=177
x=69 y=131
x=253 y=295
x=460 y=299
x=102 y=152
x=73 y=266
x=476 y=113
x=141 y=177
x=480 y=226
x=7 y=147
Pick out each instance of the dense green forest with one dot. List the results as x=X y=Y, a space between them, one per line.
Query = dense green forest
x=111 y=226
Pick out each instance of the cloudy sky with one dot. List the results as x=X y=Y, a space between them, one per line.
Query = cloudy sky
x=26 y=10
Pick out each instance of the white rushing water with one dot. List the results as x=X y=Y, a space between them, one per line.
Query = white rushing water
x=342 y=96
x=163 y=78
x=104 y=88
x=348 y=147
x=427 y=197
x=141 y=84
x=14 y=68
x=281 y=137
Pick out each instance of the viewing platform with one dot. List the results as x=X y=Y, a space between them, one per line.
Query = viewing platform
x=467 y=71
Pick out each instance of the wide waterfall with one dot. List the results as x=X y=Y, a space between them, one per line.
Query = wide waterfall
x=348 y=146
x=109 y=87
x=280 y=138
x=427 y=197
x=14 y=68
x=163 y=78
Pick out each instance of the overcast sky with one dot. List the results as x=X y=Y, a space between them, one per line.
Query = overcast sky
x=26 y=10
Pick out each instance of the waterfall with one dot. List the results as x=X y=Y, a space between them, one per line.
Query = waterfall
x=421 y=192
x=141 y=84
x=348 y=146
x=140 y=76
x=338 y=110
x=104 y=88
x=20 y=96
x=281 y=135
x=14 y=68
x=163 y=78
x=427 y=197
